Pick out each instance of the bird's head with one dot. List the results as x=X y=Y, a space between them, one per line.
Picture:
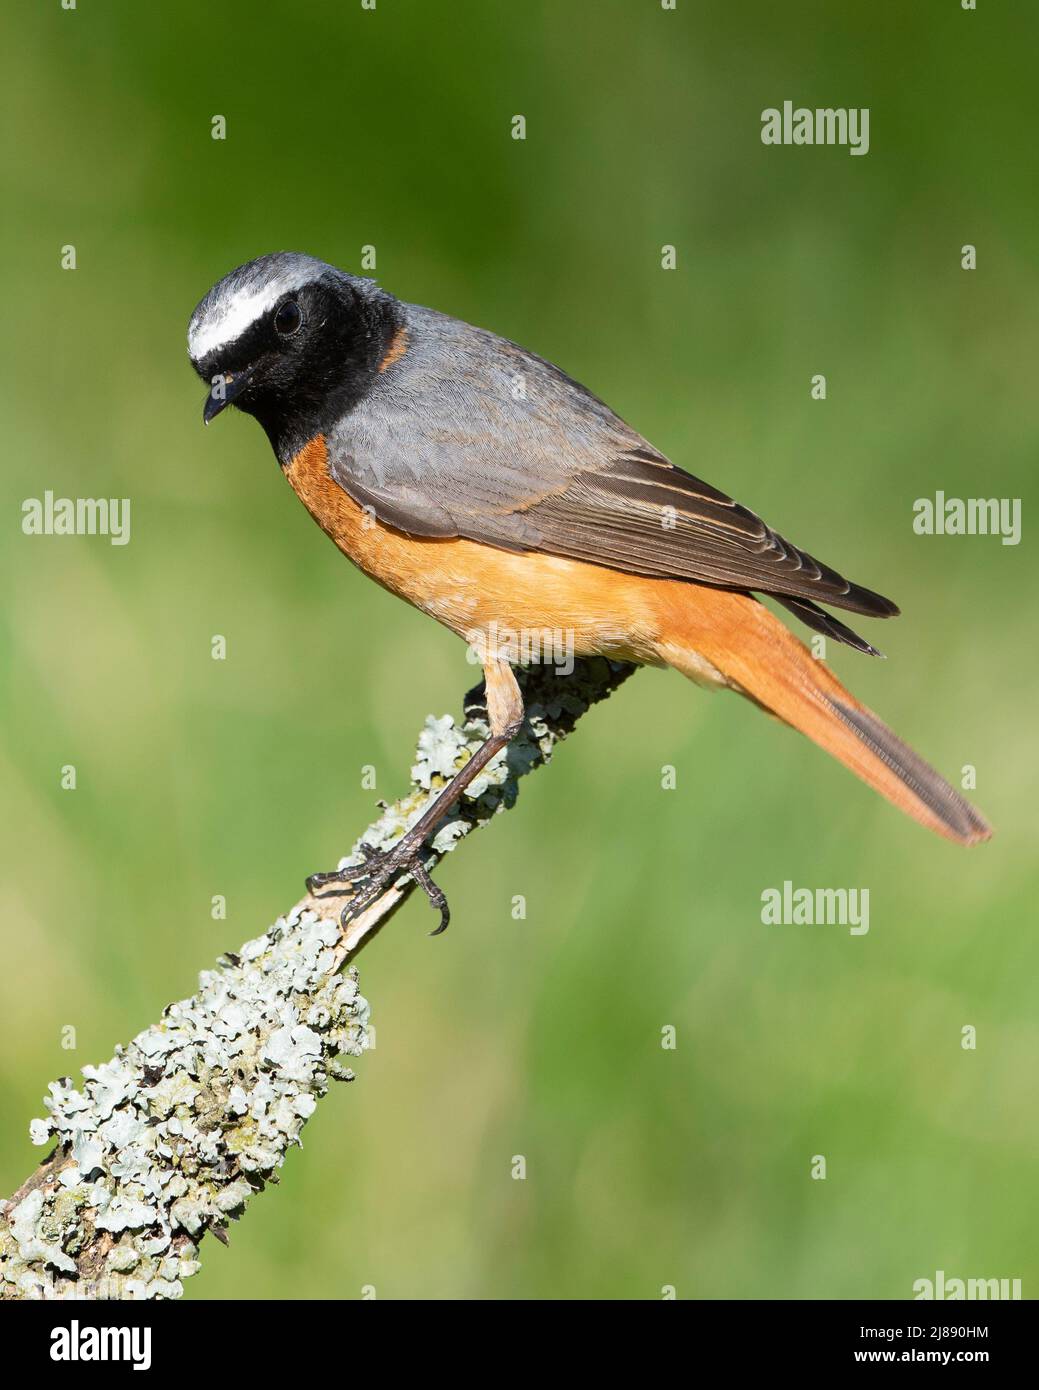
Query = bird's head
x=291 y=341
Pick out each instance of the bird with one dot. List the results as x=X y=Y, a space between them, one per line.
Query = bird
x=493 y=492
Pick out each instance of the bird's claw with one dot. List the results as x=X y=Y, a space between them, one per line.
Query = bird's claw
x=363 y=883
x=435 y=894
x=352 y=875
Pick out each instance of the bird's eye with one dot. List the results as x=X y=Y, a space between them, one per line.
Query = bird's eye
x=288 y=319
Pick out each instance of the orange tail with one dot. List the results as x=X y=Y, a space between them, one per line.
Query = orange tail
x=758 y=656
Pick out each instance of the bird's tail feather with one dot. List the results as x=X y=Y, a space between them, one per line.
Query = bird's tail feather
x=760 y=657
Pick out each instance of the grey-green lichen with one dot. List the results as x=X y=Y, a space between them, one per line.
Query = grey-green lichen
x=171 y=1138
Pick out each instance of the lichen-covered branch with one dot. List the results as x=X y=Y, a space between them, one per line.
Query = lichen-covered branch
x=172 y=1137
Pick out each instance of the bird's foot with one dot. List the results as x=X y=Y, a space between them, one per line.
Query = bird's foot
x=364 y=883
x=353 y=873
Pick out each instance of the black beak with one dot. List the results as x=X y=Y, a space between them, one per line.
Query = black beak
x=224 y=390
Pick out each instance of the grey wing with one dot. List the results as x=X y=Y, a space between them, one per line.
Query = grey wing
x=480 y=439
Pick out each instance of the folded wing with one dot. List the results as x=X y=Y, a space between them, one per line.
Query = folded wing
x=507 y=450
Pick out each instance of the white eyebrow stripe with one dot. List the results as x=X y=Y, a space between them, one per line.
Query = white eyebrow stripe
x=226 y=322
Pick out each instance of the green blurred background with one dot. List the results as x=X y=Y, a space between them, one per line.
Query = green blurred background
x=541 y=1037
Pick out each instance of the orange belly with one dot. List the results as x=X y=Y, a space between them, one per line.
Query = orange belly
x=477 y=589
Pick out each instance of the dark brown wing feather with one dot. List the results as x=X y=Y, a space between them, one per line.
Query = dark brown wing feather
x=821 y=621
x=643 y=514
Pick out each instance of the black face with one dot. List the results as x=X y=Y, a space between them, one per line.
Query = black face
x=306 y=361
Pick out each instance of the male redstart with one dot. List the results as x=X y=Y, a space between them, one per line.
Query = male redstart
x=483 y=485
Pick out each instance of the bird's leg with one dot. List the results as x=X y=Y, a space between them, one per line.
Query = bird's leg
x=367 y=881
